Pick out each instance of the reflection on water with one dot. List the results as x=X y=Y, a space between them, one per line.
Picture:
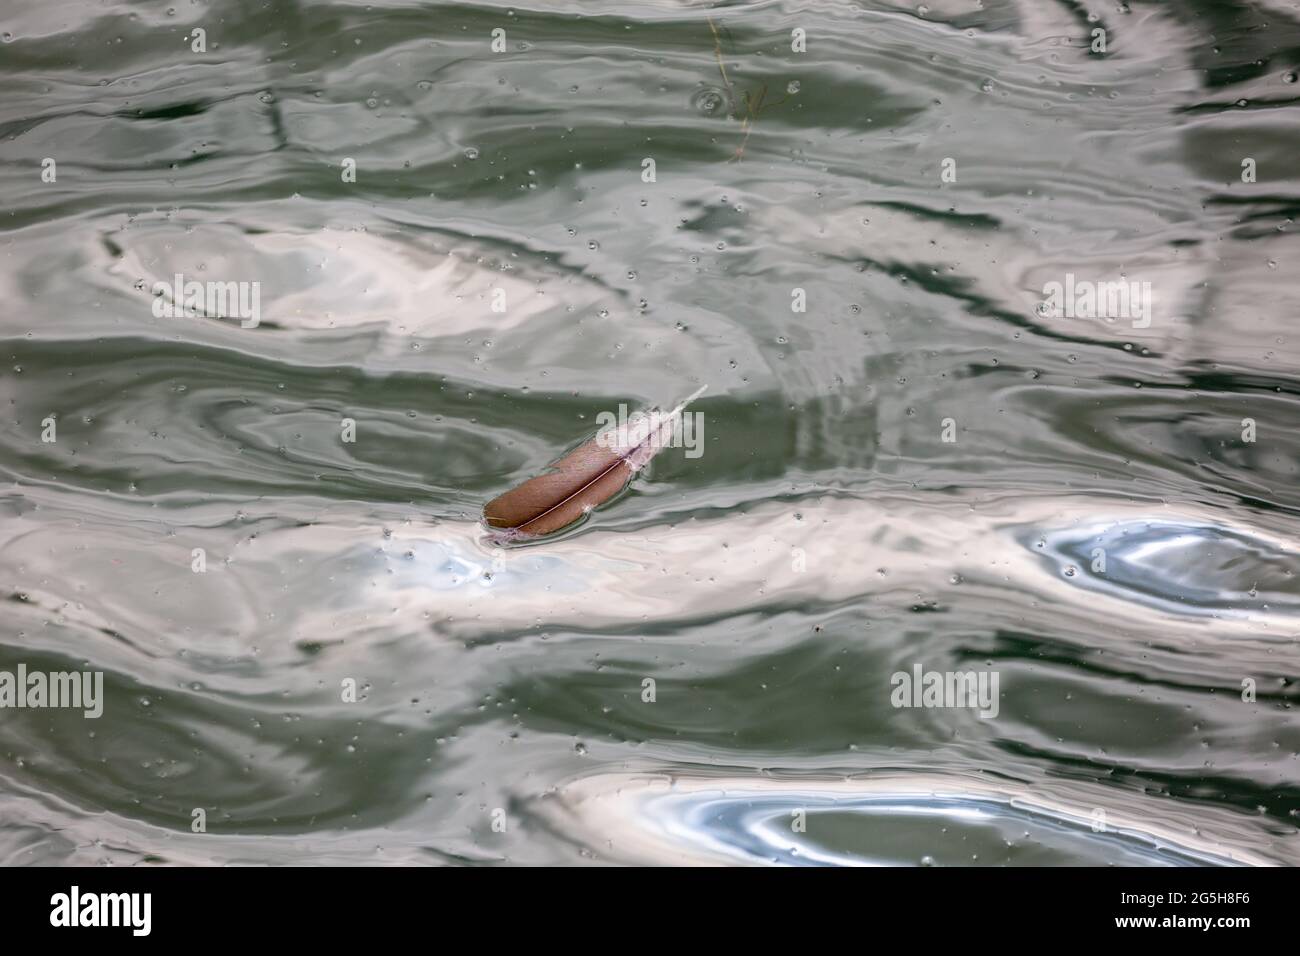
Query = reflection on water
x=1180 y=568
x=873 y=821
x=907 y=462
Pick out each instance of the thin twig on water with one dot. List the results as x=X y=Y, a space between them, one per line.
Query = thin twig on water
x=753 y=107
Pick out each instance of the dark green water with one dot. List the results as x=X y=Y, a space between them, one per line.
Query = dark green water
x=908 y=459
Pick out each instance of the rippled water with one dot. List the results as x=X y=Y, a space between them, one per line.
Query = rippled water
x=925 y=467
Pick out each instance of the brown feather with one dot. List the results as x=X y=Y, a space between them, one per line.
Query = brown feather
x=584 y=479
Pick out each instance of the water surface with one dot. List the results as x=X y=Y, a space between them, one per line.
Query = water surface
x=907 y=459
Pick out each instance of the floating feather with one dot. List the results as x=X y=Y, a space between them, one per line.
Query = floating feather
x=585 y=478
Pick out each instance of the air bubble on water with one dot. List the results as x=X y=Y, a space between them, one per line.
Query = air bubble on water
x=471 y=152
x=792 y=87
x=708 y=101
